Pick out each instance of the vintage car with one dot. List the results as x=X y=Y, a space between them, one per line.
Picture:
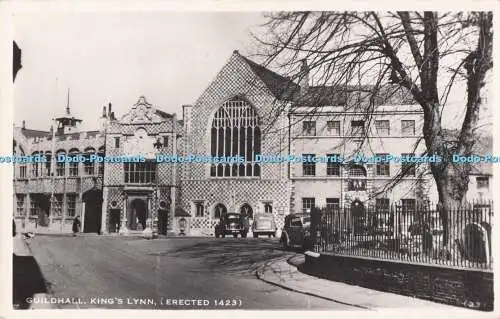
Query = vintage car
x=296 y=231
x=231 y=224
x=263 y=224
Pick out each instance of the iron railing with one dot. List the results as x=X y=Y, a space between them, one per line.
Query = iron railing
x=459 y=236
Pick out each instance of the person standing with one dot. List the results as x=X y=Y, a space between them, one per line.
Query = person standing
x=76 y=226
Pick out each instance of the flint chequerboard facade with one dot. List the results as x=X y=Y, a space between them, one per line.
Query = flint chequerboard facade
x=246 y=110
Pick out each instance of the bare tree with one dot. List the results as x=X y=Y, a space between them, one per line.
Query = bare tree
x=422 y=54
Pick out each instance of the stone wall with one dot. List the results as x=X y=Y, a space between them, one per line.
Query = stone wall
x=454 y=286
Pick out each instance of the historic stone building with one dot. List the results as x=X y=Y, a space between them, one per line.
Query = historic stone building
x=137 y=191
x=245 y=111
x=110 y=196
x=49 y=194
x=236 y=115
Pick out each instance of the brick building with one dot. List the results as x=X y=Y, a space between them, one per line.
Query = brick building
x=246 y=110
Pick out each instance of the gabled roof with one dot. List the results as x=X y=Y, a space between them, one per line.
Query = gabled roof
x=284 y=88
x=164 y=115
x=355 y=95
x=281 y=87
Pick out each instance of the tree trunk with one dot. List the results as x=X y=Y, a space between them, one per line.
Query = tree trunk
x=450 y=206
x=451 y=179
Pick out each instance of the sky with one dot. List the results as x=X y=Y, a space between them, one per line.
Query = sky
x=169 y=57
x=103 y=57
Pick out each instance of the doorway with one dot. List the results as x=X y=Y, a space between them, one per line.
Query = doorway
x=114 y=220
x=93 y=211
x=162 y=221
x=246 y=211
x=137 y=215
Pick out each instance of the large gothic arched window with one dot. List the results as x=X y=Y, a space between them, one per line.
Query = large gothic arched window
x=236 y=132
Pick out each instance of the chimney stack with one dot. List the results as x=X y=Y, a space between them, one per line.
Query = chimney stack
x=103 y=112
x=109 y=108
x=24 y=124
x=304 y=75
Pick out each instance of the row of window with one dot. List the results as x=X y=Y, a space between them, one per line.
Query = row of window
x=45 y=169
x=220 y=209
x=408 y=205
x=358 y=128
x=137 y=173
x=36 y=207
x=140 y=173
x=158 y=141
x=235 y=170
x=333 y=168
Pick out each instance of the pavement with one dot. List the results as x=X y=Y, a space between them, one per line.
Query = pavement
x=28 y=281
x=284 y=273
x=133 y=233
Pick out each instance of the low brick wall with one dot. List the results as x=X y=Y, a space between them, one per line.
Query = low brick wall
x=458 y=287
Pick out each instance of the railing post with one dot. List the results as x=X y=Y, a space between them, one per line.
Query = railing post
x=316 y=229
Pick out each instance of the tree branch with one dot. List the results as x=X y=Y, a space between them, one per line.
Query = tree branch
x=410 y=36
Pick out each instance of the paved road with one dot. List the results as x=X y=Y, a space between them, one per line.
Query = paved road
x=139 y=273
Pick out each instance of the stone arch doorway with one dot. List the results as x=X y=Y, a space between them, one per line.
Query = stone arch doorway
x=163 y=221
x=219 y=210
x=246 y=210
x=93 y=211
x=43 y=201
x=358 y=213
x=137 y=215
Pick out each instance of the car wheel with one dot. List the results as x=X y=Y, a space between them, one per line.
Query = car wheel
x=223 y=235
x=274 y=234
x=269 y=236
x=217 y=235
x=244 y=235
x=235 y=235
x=255 y=235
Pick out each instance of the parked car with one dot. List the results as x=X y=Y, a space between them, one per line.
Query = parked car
x=231 y=224
x=263 y=224
x=296 y=231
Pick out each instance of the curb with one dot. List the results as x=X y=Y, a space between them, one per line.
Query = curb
x=42 y=296
x=260 y=275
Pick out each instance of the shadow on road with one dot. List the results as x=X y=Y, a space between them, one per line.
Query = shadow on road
x=231 y=255
x=27 y=280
